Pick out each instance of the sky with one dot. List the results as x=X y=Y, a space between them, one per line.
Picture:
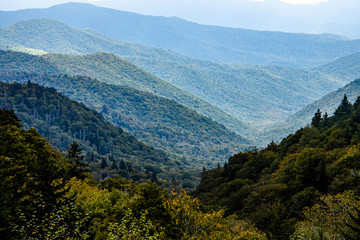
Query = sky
x=305 y=16
x=9 y=5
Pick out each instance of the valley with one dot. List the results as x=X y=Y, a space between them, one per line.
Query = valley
x=118 y=125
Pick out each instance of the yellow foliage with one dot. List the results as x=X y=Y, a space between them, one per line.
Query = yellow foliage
x=328 y=217
x=196 y=224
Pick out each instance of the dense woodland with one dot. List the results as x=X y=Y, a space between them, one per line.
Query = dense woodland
x=48 y=196
x=306 y=187
x=107 y=149
x=112 y=69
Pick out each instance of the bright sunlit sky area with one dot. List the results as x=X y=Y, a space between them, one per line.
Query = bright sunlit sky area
x=309 y=16
x=21 y=4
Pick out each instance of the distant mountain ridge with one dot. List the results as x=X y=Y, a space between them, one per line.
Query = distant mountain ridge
x=159 y=122
x=328 y=104
x=239 y=91
x=346 y=69
x=217 y=44
x=63 y=121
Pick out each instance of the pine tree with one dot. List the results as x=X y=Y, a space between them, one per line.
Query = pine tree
x=344 y=108
x=114 y=166
x=104 y=163
x=122 y=165
x=316 y=120
x=78 y=166
x=325 y=121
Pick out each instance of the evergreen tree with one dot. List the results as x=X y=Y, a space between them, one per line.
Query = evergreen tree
x=78 y=166
x=325 y=120
x=114 y=165
x=316 y=120
x=104 y=163
x=344 y=108
x=122 y=165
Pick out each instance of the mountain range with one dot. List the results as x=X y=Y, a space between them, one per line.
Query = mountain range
x=216 y=44
x=271 y=15
x=250 y=94
x=159 y=122
x=63 y=121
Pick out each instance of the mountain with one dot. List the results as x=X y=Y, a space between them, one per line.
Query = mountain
x=275 y=187
x=62 y=121
x=217 y=44
x=270 y=15
x=73 y=41
x=328 y=104
x=347 y=68
x=159 y=122
x=248 y=94
x=114 y=70
x=344 y=69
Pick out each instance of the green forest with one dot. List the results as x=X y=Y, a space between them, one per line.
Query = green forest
x=49 y=196
x=107 y=149
x=306 y=187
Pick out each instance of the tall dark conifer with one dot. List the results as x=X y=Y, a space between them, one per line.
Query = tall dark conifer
x=316 y=120
x=344 y=108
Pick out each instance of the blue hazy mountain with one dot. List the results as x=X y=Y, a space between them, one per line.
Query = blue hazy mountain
x=217 y=44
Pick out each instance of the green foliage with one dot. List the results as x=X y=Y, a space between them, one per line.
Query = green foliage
x=77 y=164
x=192 y=139
x=330 y=218
x=131 y=228
x=63 y=121
x=36 y=207
x=65 y=221
x=30 y=174
x=273 y=186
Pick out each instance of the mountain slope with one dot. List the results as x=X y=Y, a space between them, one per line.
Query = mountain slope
x=63 y=120
x=328 y=104
x=347 y=68
x=112 y=69
x=344 y=69
x=159 y=122
x=218 y=44
x=273 y=187
x=248 y=94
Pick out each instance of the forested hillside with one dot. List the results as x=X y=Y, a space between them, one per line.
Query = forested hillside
x=250 y=94
x=278 y=188
x=112 y=69
x=347 y=68
x=107 y=149
x=327 y=104
x=212 y=43
x=47 y=196
x=159 y=122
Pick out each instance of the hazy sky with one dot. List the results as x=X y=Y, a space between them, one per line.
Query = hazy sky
x=308 y=16
x=21 y=4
